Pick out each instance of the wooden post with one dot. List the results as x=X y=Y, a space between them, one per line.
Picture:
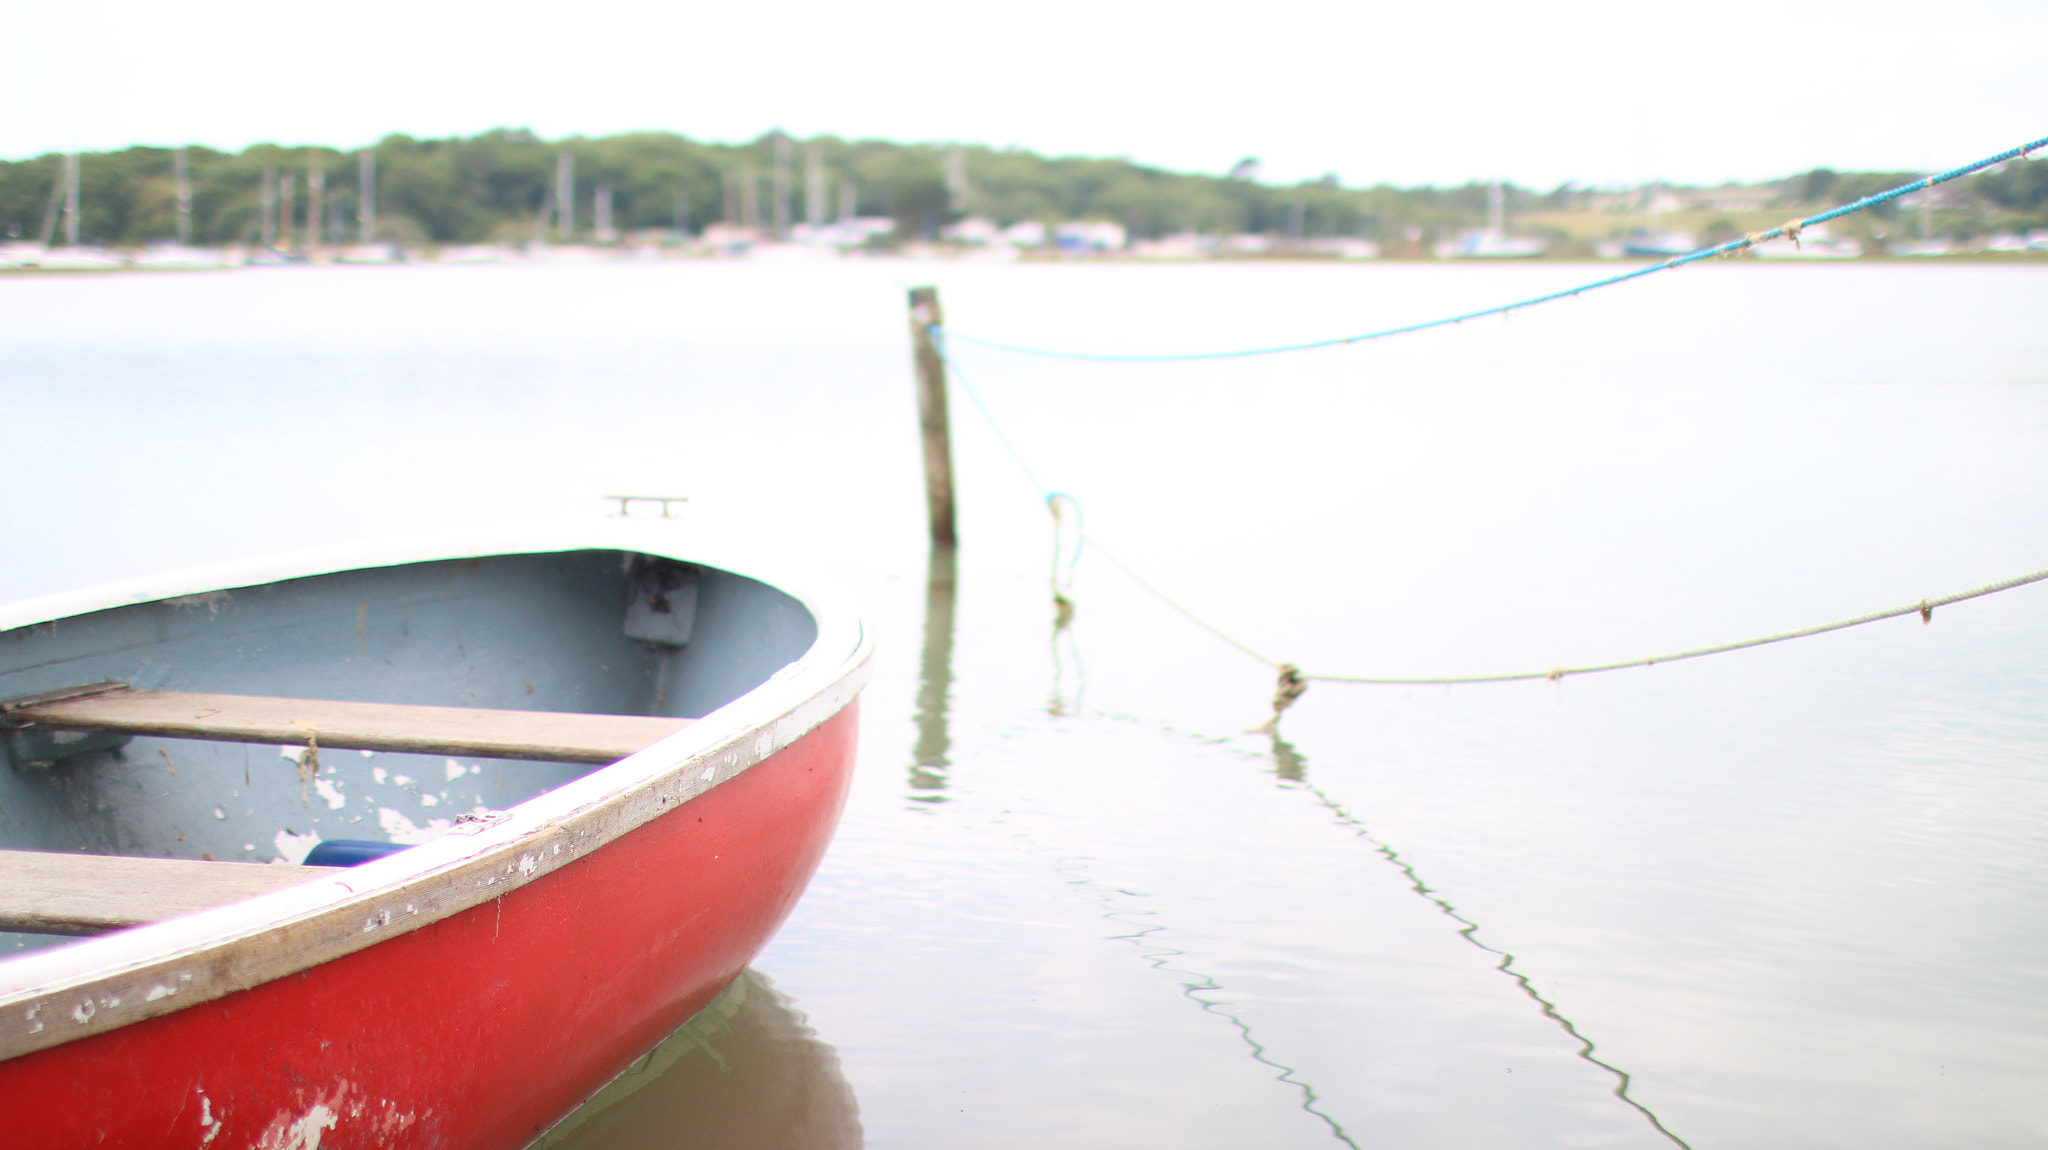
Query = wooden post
x=931 y=412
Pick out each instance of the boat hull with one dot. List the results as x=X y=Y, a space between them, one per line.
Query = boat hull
x=477 y=1030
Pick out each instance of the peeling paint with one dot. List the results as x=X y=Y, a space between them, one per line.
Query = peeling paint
x=528 y=864
x=83 y=1012
x=160 y=990
x=378 y=773
x=456 y=770
x=400 y=829
x=293 y=848
x=286 y=1132
x=326 y=789
x=207 y=1121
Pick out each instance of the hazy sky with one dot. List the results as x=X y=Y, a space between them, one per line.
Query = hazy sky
x=1539 y=93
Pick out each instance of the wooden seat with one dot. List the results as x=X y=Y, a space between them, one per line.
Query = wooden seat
x=551 y=736
x=50 y=893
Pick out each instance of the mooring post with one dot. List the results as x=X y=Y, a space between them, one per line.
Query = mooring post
x=931 y=413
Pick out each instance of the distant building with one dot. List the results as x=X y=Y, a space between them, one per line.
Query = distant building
x=1025 y=234
x=846 y=233
x=1346 y=248
x=1181 y=246
x=1814 y=243
x=1489 y=244
x=1731 y=198
x=978 y=230
x=1081 y=237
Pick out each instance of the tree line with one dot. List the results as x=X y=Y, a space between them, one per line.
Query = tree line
x=494 y=187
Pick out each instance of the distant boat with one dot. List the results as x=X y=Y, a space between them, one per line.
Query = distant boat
x=1658 y=244
x=177 y=257
x=1933 y=247
x=1491 y=241
x=617 y=764
x=1814 y=243
x=77 y=259
x=1482 y=244
x=370 y=254
x=20 y=255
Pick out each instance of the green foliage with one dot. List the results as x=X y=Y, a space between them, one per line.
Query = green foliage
x=2019 y=190
x=492 y=187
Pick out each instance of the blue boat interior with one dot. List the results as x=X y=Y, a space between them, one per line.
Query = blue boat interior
x=592 y=632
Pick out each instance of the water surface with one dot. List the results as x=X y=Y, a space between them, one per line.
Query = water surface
x=1794 y=894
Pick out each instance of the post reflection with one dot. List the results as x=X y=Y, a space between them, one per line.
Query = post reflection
x=1289 y=764
x=929 y=761
x=747 y=1070
x=1068 y=675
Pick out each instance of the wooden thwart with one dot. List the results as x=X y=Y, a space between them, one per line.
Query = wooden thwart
x=48 y=893
x=551 y=736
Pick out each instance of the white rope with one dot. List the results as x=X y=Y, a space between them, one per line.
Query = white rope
x=1924 y=608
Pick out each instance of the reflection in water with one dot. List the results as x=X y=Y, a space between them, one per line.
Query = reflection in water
x=1291 y=766
x=1069 y=677
x=935 y=680
x=746 y=1071
x=1195 y=983
x=1287 y=762
x=1066 y=650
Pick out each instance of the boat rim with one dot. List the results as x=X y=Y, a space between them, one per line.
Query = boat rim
x=62 y=994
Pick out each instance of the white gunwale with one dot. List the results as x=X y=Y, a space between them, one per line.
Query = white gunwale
x=100 y=984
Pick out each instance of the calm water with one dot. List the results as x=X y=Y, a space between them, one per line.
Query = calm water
x=1795 y=895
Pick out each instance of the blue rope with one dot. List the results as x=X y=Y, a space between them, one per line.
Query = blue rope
x=1791 y=229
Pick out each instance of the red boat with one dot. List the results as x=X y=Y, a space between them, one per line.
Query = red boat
x=581 y=782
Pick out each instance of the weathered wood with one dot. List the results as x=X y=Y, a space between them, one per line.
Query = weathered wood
x=549 y=736
x=931 y=412
x=48 y=893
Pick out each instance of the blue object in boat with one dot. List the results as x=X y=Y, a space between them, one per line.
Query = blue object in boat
x=349 y=852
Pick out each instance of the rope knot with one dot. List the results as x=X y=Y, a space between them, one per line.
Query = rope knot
x=1926 y=612
x=1791 y=229
x=308 y=762
x=1287 y=688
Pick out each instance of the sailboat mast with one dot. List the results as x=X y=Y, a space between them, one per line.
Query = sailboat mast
x=182 y=171
x=267 y=201
x=366 y=195
x=814 y=187
x=287 y=211
x=781 y=205
x=565 y=194
x=316 y=197
x=71 y=199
